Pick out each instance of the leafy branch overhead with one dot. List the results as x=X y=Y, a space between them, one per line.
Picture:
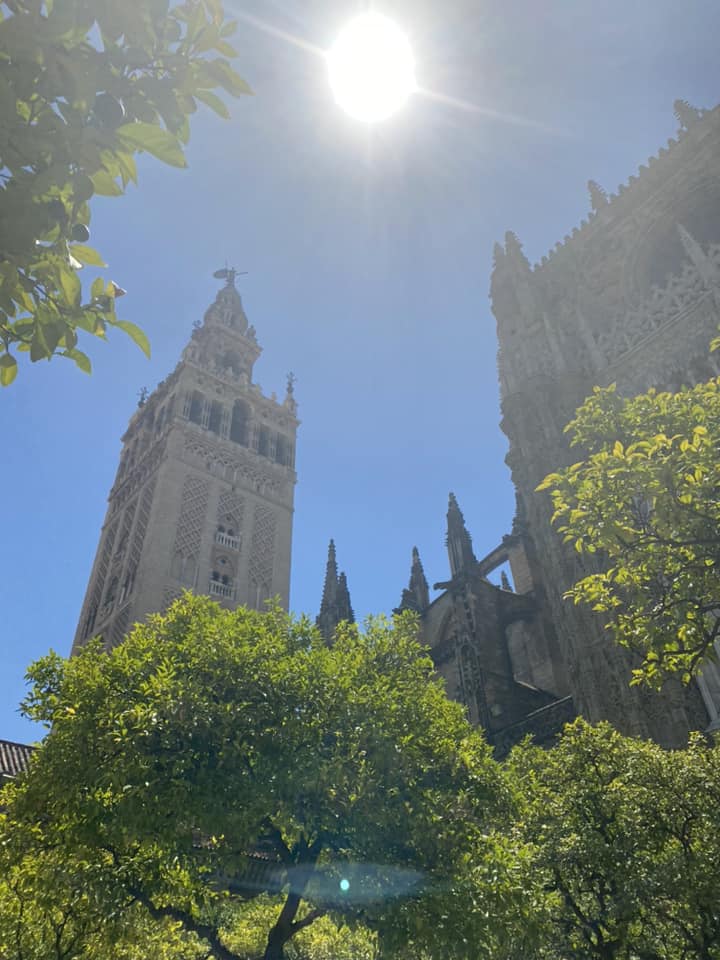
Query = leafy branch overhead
x=85 y=85
x=644 y=504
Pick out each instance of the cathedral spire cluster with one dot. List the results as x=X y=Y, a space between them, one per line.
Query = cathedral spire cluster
x=416 y=595
x=459 y=542
x=335 y=607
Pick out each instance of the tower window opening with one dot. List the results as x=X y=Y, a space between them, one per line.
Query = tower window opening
x=196 y=407
x=216 y=416
x=111 y=592
x=240 y=422
x=264 y=442
x=227 y=538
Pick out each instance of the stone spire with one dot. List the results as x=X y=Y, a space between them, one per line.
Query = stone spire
x=417 y=594
x=227 y=308
x=224 y=343
x=458 y=540
x=686 y=114
x=598 y=197
x=514 y=253
x=344 y=606
x=335 y=606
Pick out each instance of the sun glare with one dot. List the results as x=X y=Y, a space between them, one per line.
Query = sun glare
x=371 y=68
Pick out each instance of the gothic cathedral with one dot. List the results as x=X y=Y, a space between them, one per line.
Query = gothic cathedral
x=631 y=297
x=203 y=496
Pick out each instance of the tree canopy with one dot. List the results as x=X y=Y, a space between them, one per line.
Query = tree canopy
x=230 y=776
x=644 y=501
x=85 y=85
x=626 y=842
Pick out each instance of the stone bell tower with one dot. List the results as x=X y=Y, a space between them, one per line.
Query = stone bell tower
x=203 y=496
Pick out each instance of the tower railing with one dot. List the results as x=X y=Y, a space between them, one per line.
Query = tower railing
x=219 y=589
x=226 y=540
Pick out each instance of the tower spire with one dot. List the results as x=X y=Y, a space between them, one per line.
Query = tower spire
x=417 y=594
x=459 y=543
x=335 y=606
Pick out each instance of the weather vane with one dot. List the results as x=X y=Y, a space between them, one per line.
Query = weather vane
x=228 y=274
x=291 y=381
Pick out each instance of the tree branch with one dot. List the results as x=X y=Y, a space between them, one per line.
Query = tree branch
x=204 y=930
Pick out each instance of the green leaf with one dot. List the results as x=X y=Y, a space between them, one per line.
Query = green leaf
x=71 y=287
x=105 y=185
x=214 y=102
x=154 y=140
x=136 y=334
x=8 y=369
x=87 y=255
x=81 y=359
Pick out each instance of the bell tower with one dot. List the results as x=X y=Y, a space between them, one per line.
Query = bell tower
x=203 y=496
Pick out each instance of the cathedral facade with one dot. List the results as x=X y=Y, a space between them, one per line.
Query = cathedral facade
x=631 y=297
x=203 y=496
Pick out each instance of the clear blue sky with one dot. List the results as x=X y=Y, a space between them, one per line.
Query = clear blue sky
x=368 y=253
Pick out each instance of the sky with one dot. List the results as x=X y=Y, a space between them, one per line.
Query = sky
x=368 y=251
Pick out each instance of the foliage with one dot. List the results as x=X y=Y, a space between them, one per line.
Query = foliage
x=85 y=85
x=217 y=756
x=645 y=501
x=626 y=838
x=56 y=906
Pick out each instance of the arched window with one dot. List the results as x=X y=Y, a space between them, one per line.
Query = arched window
x=231 y=362
x=264 y=442
x=111 y=592
x=281 y=450
x=196 y=407
x=216 y=415
x=240 y=422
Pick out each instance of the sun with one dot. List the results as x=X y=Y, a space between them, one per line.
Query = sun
x=371 y=68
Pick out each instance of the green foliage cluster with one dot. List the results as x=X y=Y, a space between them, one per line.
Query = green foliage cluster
x=210 y=735
x=645 y=502
x=626 y=842
x=85 y=85
x=226 y=785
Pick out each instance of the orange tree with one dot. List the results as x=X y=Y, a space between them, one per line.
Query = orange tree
x=218 y=757
x=645 y=501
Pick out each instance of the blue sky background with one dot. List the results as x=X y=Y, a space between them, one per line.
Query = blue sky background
x=369 y=252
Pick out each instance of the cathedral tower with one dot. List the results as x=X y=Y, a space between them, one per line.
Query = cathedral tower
x=203 y=496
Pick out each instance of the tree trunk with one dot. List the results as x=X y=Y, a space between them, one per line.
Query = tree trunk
x=283 y=929
x=286 y=926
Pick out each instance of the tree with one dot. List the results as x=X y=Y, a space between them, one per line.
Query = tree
x=626 y=842
x=645 y=502
x=218 y=757
x=85 y=85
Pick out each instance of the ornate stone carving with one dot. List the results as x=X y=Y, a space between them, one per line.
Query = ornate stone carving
x=262 y=554
x=191 y=522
